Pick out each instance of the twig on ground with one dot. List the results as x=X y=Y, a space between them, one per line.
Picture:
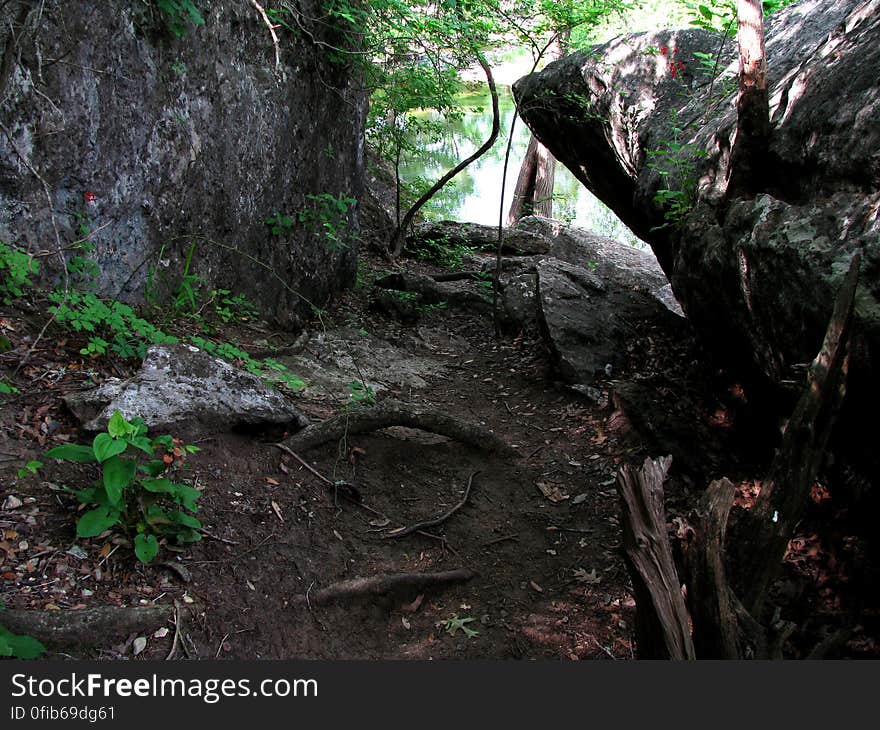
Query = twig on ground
x=403 y=531
x=503 y=538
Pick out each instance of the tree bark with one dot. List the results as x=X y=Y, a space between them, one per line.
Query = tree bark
x=393 y=413
x=748 y=167
x=767 y=528
x=533 y=194
x=662 y=630
x=88 y=626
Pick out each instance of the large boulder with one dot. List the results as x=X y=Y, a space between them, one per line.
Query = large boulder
x=645 y=125
x=622 y=264
x=587 y=322
x=162 y=145
x=180 y=386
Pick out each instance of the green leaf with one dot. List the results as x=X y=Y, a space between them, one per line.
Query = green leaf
x=158 y=486
x=187 y=496
x=94 y=522
x=163 y=440
x=118 y=426
x=118 y=474
x=105 y=446
x=705 y=12
x=153 y=468
x=92 y=495
x=146 y=547
x=187 y=536
x=19 y=646
x=182 y=518
x=156 y=516
x=72 y=452
x=141 y=442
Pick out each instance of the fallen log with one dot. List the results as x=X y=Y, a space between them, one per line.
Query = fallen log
x=394 y=413
x=385 y=583
x=87 y=626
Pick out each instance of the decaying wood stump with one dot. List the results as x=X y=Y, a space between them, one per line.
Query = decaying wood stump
x=719 y=625
x=662 y=630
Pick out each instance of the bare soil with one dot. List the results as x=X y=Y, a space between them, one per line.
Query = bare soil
x=540 y=531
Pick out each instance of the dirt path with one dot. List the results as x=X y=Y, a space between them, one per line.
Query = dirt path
x=540 y=531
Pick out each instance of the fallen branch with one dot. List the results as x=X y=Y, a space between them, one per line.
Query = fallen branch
x=384 y=583
x=89 y=626
x=403 y=531
x=394 y=413
x=272 y=33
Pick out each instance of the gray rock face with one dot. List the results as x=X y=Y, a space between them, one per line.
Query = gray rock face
x=183 y=386
x=159 y=143
x=609 y=259
x=452 y=233
x=586 y=322
x=756 y=277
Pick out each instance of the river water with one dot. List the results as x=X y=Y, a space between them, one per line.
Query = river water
x=474 y=195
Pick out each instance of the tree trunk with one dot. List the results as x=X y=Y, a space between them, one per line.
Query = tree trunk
x=395 y=247
x=748 y=167
x=533 y=194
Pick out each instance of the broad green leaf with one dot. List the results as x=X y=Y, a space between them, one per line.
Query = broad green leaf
x=141 y=442
x=154 y=468
x=118 y=426
x=118 y=474
x=72 y=452
x=187 y=536
x=187 y=496
x=156 y=516
x=90 y=495
x=158 y=486
x=105 y=446
x=146 y=547
x=94 y=522
x=182 y=518
x=20 y=646
x=163 y=440
x=705 y=12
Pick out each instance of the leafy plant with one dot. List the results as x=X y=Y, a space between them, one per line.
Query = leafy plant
x=675 y=163
x=179 y=14
x=137 y=498
x=18 y=646
x=124 y=332
x=454 y=624
x=7 y=388
x=16 y=269
x=361 y=393
x=270 y=370
x=327 y=216
x=29 y=469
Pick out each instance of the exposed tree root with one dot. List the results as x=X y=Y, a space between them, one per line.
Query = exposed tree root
x=378 y=585
x=394 y=413
x=89 y=626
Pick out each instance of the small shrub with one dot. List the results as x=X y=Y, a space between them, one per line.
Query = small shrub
x=16 y=269
x=135 y=495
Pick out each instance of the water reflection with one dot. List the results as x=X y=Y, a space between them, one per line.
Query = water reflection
x=474 y=195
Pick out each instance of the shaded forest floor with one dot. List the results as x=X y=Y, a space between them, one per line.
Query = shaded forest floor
x=541 y=531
